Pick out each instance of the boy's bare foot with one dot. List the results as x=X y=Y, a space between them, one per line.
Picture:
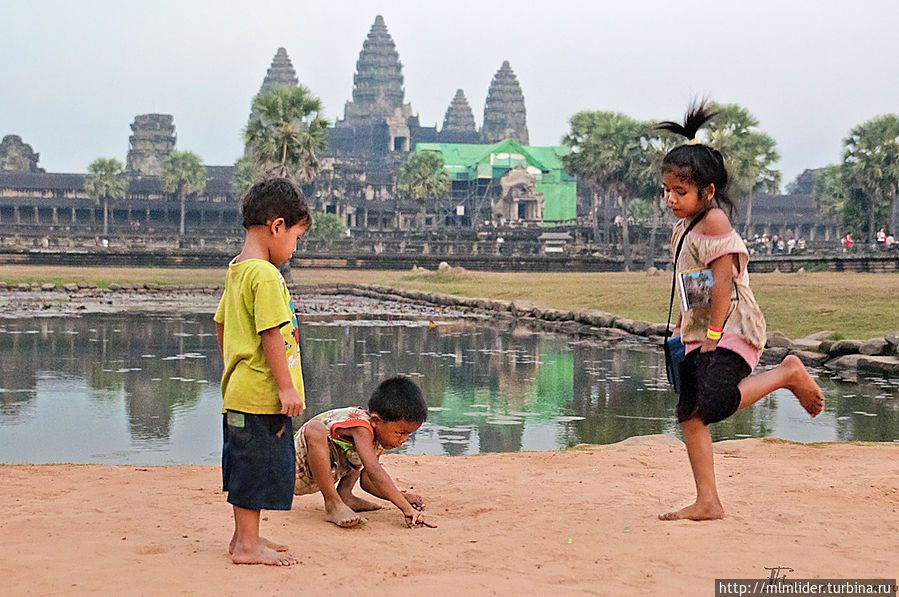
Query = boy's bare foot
x=803 y=386
x=263 y=540
x=357 y=504
x=262 y=555
x=696 y=511
x=341 y=515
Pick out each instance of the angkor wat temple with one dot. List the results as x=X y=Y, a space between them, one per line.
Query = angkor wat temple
x=497 y=177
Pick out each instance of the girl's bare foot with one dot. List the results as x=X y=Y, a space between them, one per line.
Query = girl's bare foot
x=341 y=515
x=262 y=555
x=262 y=540
x=696 y=511
x=357 y=504
x=803 y=386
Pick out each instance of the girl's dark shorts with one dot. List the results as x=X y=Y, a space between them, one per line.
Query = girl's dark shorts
x=258 y=461
x=709 y=385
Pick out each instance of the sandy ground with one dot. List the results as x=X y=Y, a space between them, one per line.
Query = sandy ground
x=579 y=522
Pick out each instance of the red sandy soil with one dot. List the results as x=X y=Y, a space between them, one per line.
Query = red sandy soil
x=579 y=522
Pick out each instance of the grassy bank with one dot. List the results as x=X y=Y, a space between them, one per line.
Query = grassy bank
x=852 y=305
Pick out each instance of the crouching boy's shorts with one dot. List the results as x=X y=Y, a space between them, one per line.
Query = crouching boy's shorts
x=342 y=464
x=258 y=460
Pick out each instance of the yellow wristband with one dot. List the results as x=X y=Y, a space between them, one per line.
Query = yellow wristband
x=712 y=335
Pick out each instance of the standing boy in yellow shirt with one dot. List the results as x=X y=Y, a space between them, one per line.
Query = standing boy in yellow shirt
x=262 y=382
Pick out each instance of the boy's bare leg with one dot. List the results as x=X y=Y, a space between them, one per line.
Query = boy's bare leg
x=792 y=375
x=248 y=548
x=707 y=506
x=345 y=491
x=318 y=456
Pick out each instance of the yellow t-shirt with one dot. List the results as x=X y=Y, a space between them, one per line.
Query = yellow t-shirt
x=256 y=299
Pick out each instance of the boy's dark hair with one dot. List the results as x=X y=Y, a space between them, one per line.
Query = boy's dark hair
x=694 y=162
x=398 y=399
x=274 y=198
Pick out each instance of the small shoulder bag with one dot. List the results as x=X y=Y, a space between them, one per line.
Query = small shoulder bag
x=675 y=351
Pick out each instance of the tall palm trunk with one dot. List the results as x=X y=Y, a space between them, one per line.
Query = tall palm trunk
x=894 y=217
x=105 y=216
x=651 y=245
x=594 y=212
x=625 y=236
x=872 y=220
x=183 y=196
x=748 y=223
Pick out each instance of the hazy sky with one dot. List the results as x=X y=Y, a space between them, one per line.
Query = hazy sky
x=73 y=74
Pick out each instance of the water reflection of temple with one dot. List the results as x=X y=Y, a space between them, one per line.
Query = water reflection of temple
x=497 y=388
x=105 y=351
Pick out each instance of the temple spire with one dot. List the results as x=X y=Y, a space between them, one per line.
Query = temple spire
x=378 y=82
x=504 y=113
x=281 y=72
x=459 y=117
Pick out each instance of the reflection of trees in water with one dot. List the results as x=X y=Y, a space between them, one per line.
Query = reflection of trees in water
x=103 y=350
x=19 y=353
x=448 y=362
x=500 y=438
x=151 y=404
x=851 y=425
x=507 y=369
x=611 y=392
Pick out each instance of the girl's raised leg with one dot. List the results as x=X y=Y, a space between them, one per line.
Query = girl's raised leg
x=790 y=374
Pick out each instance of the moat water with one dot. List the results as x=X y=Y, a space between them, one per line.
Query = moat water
x=143 y=389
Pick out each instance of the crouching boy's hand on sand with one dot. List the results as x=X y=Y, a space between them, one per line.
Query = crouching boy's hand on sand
x=416 y=519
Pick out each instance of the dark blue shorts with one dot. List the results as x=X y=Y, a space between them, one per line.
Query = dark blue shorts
x=709 y=385
x=258 y=461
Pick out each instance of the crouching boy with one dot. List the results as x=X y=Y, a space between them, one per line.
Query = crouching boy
x=343 y=446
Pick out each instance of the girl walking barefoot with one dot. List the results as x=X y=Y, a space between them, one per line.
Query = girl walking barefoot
x=724 y=337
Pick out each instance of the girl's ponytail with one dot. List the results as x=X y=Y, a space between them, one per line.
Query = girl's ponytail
x=697 y=115
x=695 y=162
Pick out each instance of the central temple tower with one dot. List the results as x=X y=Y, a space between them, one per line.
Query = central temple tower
x=377 y=110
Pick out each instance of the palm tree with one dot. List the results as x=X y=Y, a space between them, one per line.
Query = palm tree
x=183 y=173
x=106 y=181
x=749 y=154
x=423 y=177
x=286 y=133
x=246 y=174
x=657 y=148
x=609 y=149
x=871 y=158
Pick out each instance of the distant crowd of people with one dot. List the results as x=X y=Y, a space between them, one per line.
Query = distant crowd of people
x=884 y=241
x=775 y=245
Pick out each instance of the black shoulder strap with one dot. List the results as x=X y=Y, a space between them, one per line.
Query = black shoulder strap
x=680 y=245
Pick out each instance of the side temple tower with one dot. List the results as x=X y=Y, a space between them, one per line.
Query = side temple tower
x=152 y=140
x=504 y=113
x=458 y=123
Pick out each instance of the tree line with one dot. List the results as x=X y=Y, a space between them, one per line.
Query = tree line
x=615 y=156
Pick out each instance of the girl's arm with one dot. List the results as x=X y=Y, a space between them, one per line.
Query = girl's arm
x=717 y=224
x=722 y=288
